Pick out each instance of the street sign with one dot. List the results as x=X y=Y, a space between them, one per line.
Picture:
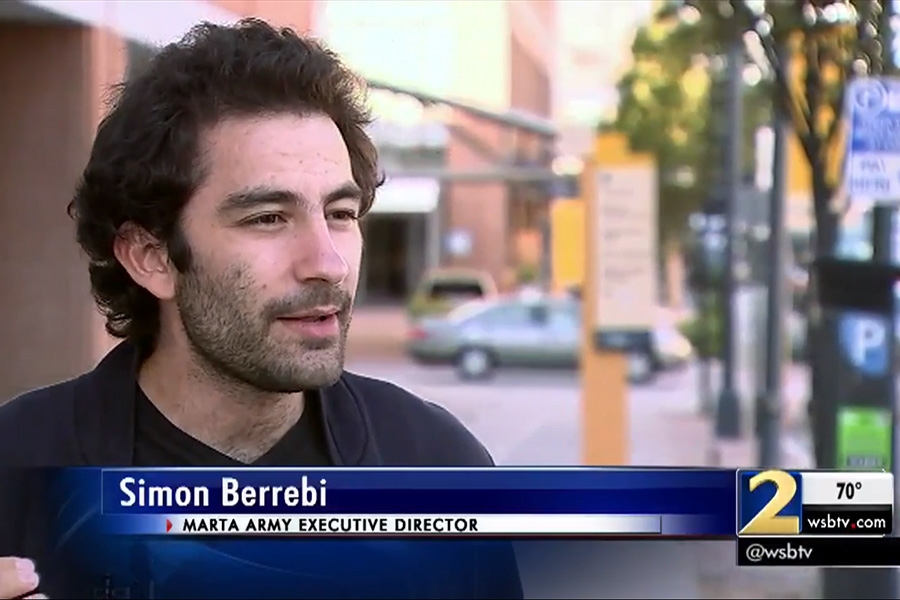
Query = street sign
x=865 y=341
x=625 y=235
x=873 y=152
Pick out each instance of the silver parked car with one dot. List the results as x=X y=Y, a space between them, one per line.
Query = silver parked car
x=482 y=335
x=530 y=330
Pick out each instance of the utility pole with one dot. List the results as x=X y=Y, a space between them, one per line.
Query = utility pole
x=769 y=408
x=707 y=263
x=728 y=415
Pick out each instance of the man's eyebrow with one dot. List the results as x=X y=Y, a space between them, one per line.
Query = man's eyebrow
x=346 y=191
x=251 y=198
x=254 y=197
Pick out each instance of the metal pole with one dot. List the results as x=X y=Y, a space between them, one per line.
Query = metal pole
x=546 y=266
x=728 y=416
x=770 y=410
x=884 y=248
x=704 y=373
x=883 y=233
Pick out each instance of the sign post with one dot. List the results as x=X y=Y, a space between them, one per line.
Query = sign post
x=626 y=297
x=620 y=290
x=859 y=299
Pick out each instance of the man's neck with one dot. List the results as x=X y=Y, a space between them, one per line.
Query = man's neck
x=232 y=418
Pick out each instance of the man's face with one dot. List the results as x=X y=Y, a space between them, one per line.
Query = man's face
x=276 y=249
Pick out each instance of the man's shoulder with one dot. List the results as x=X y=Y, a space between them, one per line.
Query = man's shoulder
x=33 y=424
x=37 y=406
x=414 y=426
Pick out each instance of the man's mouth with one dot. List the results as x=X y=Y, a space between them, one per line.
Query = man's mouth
x=314 y=315
x=311 y=318
x=321 y=322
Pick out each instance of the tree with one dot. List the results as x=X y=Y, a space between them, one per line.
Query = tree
x=812 y=48
x=663 y=110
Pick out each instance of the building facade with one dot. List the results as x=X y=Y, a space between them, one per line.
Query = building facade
x=57 y=58
x=495 y=55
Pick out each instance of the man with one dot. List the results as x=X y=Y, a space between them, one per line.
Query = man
x=220 y=211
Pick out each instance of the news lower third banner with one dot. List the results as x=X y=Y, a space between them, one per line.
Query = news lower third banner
x=495 y=502
x=411 y=533
x=366 y=533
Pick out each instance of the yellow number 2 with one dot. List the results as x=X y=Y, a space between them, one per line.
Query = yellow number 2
x=767 y=521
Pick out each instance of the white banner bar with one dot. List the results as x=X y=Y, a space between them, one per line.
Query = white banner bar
x=412 y=525
x=848 y=488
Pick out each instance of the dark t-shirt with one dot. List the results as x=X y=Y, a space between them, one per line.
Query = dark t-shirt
x=159 y=443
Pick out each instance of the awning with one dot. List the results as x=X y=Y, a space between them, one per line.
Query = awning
x=407 y=196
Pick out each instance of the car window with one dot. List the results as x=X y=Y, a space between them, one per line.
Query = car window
x=564 y=318
x=455 y=290
x=507 y=315
x=468 y=310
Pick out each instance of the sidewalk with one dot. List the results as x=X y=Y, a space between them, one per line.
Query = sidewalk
x=673 y=436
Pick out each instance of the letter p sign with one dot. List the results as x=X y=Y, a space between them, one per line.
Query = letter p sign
x=865 y=342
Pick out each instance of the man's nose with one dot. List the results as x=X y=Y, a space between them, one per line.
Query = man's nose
x=319 y=257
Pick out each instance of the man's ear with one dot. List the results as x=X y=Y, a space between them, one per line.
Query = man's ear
x=146 y=259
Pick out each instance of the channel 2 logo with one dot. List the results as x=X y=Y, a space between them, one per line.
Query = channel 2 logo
x=769 y=503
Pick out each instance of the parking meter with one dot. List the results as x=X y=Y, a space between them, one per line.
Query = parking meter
x=858 y=303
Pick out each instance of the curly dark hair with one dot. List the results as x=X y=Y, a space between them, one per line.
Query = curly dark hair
x=144 y=165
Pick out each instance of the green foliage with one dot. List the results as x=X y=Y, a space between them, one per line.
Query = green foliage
x=704 y=331
x=705 y=335
x=664 y=111
x=528 y=273
x=811 y=49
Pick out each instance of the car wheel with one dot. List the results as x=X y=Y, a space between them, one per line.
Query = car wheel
x=474 y=363
x=640 y=368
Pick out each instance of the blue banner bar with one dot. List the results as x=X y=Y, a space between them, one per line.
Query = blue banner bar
x=134 y=548
x=689 y=492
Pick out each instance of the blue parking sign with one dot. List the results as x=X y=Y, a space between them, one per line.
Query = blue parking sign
x=873 y=152
x=865 y=341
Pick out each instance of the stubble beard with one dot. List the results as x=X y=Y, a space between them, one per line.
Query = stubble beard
x=235 y=339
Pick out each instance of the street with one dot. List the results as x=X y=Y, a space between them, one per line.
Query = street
x=522 y=417
x=533 y=417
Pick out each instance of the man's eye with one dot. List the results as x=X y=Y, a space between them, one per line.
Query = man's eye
x=343 y=215
x=270 y=219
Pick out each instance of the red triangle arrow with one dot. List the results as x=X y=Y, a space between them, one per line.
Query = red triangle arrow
x=168 y=526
